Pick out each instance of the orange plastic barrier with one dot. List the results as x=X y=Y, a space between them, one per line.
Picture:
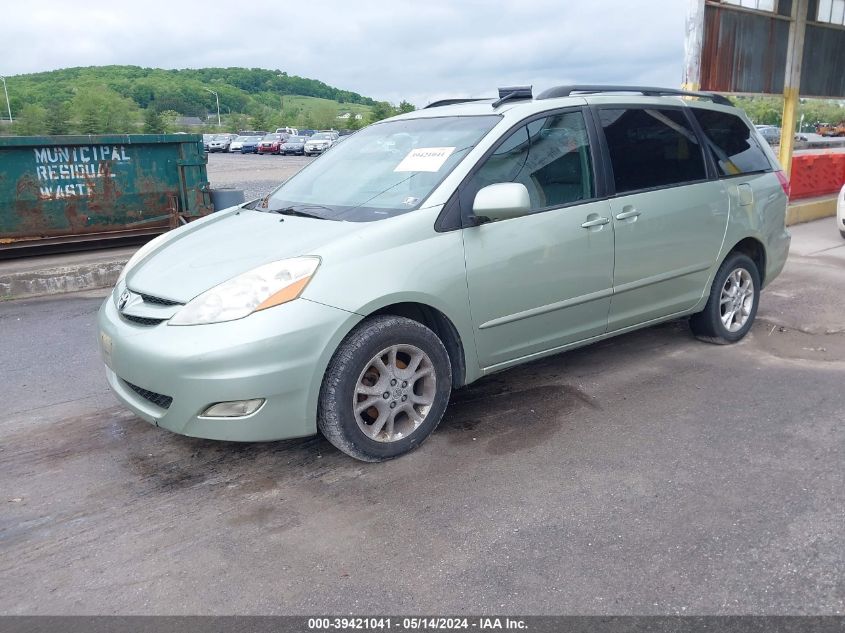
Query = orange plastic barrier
x=816 y=174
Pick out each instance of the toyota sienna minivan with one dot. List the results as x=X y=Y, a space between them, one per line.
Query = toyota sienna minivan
x=440 y=246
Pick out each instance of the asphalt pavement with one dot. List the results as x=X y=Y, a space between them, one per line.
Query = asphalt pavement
x=648 y=474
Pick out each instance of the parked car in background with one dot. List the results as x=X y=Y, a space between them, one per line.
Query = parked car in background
x=339 y=140
x=272 y=143
x=290 y=131
x=252 y=132
x=769 y=132
x=306 y=132
x=220 y=142
x=772 y=134
x=237 y=143
x=206 y=139
x=250 y=144
x=294 y=145
x=319 y=143
x=559 y=220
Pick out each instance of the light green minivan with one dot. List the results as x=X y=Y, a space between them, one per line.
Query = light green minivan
x=439 y=246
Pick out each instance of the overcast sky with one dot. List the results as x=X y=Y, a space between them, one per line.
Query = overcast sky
x=392 y=50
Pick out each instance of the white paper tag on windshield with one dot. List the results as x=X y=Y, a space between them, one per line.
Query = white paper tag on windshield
x=425 y=159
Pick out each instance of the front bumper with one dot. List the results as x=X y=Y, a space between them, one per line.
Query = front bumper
x=279 y=354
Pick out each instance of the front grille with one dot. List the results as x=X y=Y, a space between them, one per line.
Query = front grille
x=141 y=320
x=158 y=399
x=159 y=301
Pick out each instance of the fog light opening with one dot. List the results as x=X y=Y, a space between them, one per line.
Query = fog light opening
x=233 y=409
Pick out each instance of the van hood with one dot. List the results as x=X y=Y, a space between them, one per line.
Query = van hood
x=209 y=252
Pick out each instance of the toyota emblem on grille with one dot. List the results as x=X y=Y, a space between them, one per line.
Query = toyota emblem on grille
x=124 y=299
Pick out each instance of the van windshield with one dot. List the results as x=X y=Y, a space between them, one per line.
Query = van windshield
x=384 y=170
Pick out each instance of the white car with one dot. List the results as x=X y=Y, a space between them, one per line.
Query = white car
x=840 y=212
x=237 y=144
x=220 y=142
x=319 y=143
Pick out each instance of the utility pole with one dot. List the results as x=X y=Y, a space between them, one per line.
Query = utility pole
x=6 y=92
x=218 y=104
x=692 y=45
x=792 y=81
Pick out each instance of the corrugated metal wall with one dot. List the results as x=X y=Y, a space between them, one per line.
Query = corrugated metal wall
x=745 y=51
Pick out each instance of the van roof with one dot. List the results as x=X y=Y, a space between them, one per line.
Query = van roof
x=522 y=98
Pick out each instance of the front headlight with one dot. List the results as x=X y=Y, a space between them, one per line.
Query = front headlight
x=263 y=287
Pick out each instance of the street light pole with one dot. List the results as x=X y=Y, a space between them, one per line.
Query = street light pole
x=6 y=92
x=218 y=104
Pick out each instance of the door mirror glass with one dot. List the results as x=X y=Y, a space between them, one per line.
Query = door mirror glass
x=502 y=201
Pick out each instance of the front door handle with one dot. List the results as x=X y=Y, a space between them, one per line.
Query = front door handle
x=596 y=222
x=627 y=213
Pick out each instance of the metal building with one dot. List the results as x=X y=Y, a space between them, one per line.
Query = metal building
x=788 y=47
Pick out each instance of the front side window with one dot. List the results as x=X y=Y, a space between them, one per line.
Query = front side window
x=734 y=148
x=550 y=156
x=651 y=147
x=384 y=170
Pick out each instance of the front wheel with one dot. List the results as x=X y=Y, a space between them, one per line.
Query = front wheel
x=730 y=310
x=385 y=389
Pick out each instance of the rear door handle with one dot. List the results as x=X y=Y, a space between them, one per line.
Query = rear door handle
x=628 y=212
x=597 y=222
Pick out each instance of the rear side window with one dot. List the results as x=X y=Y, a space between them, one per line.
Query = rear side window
x=734 y=147
x=550 y=156
x=651 y=147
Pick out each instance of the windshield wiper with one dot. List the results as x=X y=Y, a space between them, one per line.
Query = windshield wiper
x=298 y=211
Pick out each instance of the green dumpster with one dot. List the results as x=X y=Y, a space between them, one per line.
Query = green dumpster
x=58 y=191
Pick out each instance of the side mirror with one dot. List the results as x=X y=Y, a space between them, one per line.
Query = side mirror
x=502 y=201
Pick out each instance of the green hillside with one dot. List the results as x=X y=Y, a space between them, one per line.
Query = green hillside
x=117 y=99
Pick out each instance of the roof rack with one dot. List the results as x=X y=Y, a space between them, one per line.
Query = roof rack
x=513 y=92
x=445 y=102
x=566 y=91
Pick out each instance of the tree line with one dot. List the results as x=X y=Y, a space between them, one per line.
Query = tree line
x=123 y=99
x=769 y=110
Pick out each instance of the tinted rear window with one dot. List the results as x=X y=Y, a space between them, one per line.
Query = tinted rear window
x=651 y=147
x=735 y=149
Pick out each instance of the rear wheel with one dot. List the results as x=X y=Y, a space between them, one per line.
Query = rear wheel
x=730 y=310
x=385 y=389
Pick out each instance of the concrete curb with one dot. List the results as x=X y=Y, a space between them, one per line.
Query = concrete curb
x=56 y=274
x=811 y=209
x=58 y=280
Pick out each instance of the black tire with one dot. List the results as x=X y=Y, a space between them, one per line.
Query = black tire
x=336 y=417
x=707 y=324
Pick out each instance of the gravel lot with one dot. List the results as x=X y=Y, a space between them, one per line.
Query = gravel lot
x=256 y=174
